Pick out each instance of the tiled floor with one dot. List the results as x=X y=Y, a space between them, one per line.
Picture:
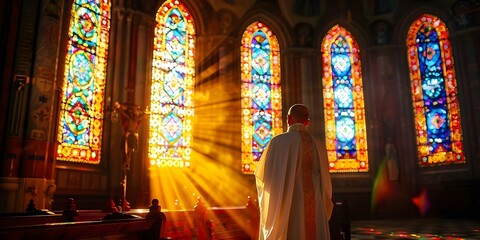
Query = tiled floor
x=437 y=229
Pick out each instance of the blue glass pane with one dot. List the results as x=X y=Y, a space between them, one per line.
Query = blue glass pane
x=261 y=101
x=433 y=88
x=343 y=98
x=262 y=125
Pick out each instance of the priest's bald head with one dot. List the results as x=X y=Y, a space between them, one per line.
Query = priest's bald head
x=298 y=113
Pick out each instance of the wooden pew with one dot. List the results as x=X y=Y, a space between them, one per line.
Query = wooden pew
x=198 y=223
x=93 y=224
x=19 y=219
x=138 y=228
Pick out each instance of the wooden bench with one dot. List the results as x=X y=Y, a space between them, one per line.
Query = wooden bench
x=198 y=223
x=19 y=219
x=90 y=224
x=138 y=228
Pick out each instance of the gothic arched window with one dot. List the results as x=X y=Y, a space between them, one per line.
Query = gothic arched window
x=261 y=92
x=82 y=100
x=345 y=128
x=171 y=100
x=434 y=93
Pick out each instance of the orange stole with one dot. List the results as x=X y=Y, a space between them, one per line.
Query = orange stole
x=308 y=188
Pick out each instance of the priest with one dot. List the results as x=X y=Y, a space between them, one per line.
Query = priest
x=293 y=183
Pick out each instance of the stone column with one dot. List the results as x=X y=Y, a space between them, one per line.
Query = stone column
x=144 y=35
x=387 y=92
x=27 y=172
x=301 y=84
x=118 y=83
x=130 y=83
x=466 y=52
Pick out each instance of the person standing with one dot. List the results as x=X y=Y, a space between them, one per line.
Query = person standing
x=293 y=183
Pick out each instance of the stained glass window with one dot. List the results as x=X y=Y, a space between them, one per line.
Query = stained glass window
x=171 y=100
x=261 y=94
x=345 y=128
x=434 y=92
x=81 y=115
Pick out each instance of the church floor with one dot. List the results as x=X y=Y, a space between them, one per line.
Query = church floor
x=437 y=229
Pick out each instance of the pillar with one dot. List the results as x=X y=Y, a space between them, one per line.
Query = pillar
x=27 y=171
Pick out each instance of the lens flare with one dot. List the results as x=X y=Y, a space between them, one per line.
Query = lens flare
x=381 y=187
x=422 y=203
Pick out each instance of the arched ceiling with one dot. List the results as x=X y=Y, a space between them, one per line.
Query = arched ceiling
x=237 y=6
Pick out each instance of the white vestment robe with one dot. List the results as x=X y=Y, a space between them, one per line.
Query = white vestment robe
x=279 y=188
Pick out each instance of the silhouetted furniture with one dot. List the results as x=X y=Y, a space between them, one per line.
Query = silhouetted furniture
x=224 y=223
x=155 y=213
x=221 y=223
x=340 y=221
x=82 y=225
x=20 y=219
x=137 y=228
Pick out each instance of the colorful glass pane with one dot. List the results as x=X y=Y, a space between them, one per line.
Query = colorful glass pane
x=171 y=100
x=434 y=92
x=345 y=127
x=81 y=115
x=261 y=92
